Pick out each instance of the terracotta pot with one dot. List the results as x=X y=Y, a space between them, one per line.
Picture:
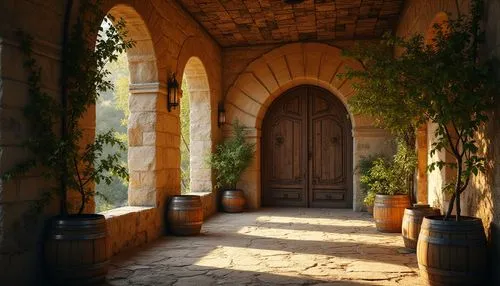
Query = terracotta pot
x=233 y=200
x=452 y=252
x=76 y=250
x=388 y=212
x=369 y=209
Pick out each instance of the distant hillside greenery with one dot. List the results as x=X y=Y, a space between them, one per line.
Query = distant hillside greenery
x=185 y=125
x=112 y=112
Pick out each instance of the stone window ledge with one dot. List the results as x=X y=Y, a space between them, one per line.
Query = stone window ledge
x=124 y=211
x=201 y=194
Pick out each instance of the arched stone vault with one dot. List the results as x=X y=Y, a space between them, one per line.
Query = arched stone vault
x=275 y=72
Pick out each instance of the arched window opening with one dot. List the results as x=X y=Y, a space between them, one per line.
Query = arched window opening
x=112 y=112
x=196 y=128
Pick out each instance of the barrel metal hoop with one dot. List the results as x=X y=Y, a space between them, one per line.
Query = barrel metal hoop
x=79 y=236
x=451 y=242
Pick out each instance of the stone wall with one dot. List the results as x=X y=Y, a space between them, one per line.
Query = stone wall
x=165 y=36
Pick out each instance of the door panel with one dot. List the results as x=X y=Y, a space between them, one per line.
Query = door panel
x=286 y=164
x=307 y=150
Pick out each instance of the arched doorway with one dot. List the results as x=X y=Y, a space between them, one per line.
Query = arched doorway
x=307 y=150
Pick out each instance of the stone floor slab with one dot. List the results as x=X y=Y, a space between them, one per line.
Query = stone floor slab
x=279 y=246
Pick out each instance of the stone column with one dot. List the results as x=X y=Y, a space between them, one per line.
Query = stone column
x=153 y=155
x=200 y=140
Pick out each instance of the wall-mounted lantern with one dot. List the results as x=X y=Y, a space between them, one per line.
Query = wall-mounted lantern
x=221 y=115
x=172 y=93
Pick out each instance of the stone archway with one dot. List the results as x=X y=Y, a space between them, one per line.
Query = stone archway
x=250 y=96
x=145 y=92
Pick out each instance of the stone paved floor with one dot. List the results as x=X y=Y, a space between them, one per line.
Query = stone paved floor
x=273 y=247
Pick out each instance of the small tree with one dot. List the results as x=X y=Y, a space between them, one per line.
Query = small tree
x=447 y=84
x=382 y=95
x=56 y=137
x=231 y=158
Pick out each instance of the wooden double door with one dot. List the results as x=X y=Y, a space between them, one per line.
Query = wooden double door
x=307 y=151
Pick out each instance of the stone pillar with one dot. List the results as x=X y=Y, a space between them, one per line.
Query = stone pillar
x=200 y=140
x=153 y=154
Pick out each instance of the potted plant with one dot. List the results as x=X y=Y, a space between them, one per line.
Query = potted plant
x=387 y=181
x=69 y=165
x=363 y=168
x=455 y=89
x=229 y=161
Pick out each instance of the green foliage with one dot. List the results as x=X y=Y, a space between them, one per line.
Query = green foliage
x=446 y=83
x=388 y=101
x=365 y=163
x=369 y=199
x=231 y=158
x=64 y=156
x=390 y=177
x=185 y=140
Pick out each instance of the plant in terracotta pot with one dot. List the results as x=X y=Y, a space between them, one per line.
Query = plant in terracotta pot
x=229 y=161
x=387 y=181
x=75 y=248
x=455 y=89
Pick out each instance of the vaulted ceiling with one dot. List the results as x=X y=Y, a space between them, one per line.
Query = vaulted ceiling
x=253 y=22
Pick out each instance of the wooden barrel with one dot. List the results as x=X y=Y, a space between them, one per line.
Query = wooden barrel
x=388 y=212
x=452 y=252
x=412 y=220
x=233 y=201
x=185 y=215
x=76 y=251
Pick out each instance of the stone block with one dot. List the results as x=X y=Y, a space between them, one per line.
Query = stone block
x=145 y=121
x=263 y=73
x=233 y=113
x=149 y=139
x=243 y=102
x=142 y=158
x=328 y=68
x=143 y=102
x=249 y=84
x=15 y=128
x=142 y=196
x=312 y=64
x=296 y=64
x=13 y=94
x=279 y=67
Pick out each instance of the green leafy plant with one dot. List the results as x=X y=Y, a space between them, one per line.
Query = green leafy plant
x=231 y=158
x=369 y=199
x=365 y=163
x=56 y=140
x=445 y=82
x=390 y=177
